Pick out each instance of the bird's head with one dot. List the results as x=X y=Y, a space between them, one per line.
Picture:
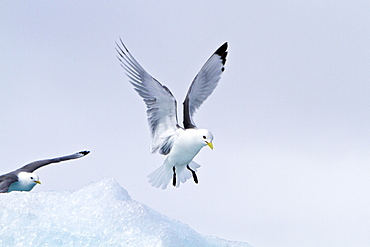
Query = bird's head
x=206 y=137
x=28 y=179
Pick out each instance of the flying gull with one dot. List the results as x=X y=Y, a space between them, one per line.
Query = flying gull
x=23 y=179
x=180 y=145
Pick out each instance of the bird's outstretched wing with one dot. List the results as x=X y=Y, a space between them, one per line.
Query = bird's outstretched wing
x=161 y=105
x=203 y=84
x=6 y=180
x=40 y=163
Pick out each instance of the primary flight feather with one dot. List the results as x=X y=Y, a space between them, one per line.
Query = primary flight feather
x=180 y=145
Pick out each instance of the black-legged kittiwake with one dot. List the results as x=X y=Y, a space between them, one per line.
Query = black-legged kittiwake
x=23 y=179
x=180 y=145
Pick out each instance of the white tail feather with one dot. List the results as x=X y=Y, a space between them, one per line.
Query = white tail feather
x=161 y=177
x=164 y=174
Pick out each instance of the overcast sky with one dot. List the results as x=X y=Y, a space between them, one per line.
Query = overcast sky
x=290 y=116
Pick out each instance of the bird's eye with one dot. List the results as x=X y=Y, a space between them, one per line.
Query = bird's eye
x=204 y=137
x=31 y=177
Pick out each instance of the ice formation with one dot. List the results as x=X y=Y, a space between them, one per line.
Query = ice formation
x=101 y=214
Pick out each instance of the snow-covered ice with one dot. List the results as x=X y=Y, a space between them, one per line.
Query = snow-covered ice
x=100 y=214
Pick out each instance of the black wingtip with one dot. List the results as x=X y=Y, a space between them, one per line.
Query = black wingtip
x=84 y=152
x=222 y=52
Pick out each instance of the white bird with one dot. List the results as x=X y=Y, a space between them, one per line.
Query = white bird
x=180 y=145
x=23 y=179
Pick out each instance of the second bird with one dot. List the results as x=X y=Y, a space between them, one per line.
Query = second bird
x=23 y=179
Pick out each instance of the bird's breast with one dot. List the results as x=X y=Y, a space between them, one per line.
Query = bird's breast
x=182 y=154
x=17 y=186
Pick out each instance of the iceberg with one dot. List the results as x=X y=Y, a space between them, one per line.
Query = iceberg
x=100 y=214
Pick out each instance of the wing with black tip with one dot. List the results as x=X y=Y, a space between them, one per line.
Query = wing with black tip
x=40 y=163
x=203 y=84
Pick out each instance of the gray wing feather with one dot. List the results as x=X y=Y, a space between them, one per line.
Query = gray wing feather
x=40 y=163
x=203 y=84
x=160 y=103
x=6 y=180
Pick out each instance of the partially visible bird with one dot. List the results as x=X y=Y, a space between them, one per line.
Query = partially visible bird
x=180 y=145
x=23 y=179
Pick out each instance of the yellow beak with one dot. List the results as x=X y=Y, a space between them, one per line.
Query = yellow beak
x=210 y=145
x=38 y=182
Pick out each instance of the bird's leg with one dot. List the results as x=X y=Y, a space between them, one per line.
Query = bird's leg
x=174 y=176
x=194 y=174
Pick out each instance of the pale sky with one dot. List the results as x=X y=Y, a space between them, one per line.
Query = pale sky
x=290 y=116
